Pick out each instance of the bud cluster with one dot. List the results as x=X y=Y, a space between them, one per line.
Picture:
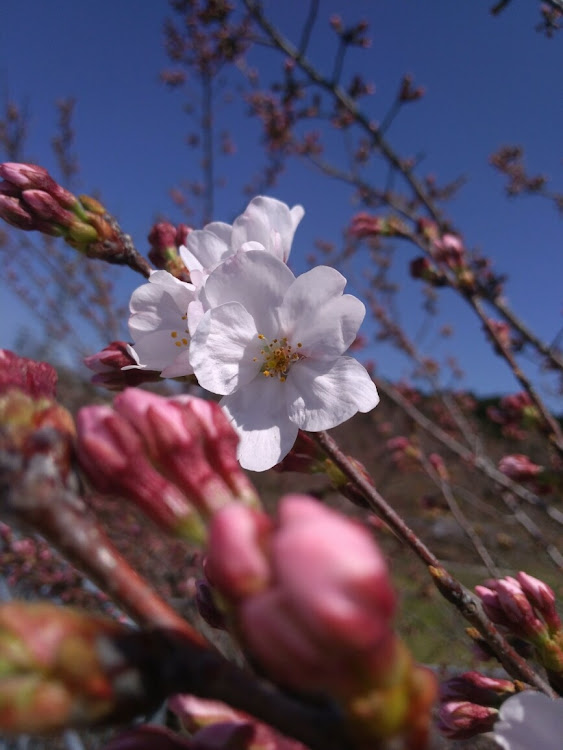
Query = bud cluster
x=469 y=704
x=165 y=241
x=310 y=598
x=175 y=458
x=525 y=607
x=31 y=199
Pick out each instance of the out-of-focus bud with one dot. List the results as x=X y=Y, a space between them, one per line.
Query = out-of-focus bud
x=461 y=720
x=62 y=667
x=216 y=726
x=314 y=606
x=108 y=365
x=165 y=240
x=449 y=250
x=476 y=688
x=35 y=379
x=428 y=229
x=439 y=466
x=33 y=424
x=193 y=445
x=519 y=467
x=366 y=225
x=113 y=456
x=236 y=563
x=407 y=92
x=421 y=268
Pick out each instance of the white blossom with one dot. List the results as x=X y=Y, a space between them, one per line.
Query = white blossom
x=266 y=224
x=158 y=325
x=530 y=721
x=273 y=346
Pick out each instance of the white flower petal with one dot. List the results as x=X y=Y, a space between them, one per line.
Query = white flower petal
x=530 y=721
x=256 y=280
x=158 y=350
x=207 y=247
x=224 y=348
x=322 y=395
x=222 y=230
x=259 y=415
x=269 y=222
x=181 y=366
x=315 y=313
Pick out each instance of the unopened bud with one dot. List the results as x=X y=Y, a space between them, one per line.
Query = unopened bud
x=476 y=688
x=193 y=444
x=461 y=720
x=45 y=207
x=114 y=457
x=61 y=668
x=108 y=365
x=12 y=212
x=81 y=235
x=542 y=598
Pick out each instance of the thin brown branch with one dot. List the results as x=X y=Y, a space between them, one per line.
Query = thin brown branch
x=452 y=590
x=550 y=422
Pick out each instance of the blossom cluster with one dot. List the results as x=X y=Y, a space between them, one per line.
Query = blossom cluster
x=273 y=346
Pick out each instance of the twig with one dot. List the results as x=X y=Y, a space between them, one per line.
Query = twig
x=550 y=422
x=459 y=516
x=452 y=590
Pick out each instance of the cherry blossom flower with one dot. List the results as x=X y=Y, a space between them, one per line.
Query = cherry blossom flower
x=529 y=721
x=273 y=346
x=158 y=325
x=266 y=221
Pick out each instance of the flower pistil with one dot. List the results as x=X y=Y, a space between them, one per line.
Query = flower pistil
x=278 y=357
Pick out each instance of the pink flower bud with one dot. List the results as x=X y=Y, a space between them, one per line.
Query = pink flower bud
x=113 y=456
x=461 y=719
x=36 y=379
x=236 y=563
x=542 y=598
x=45 y=207
x=313 y=597
x=476 y=688
x=518 y=609
x=192 y=443
x=26 y=176
x=366 y=225
x=108 y=365
x=162 y=236
x=62 y=667
x=519 y=467
x=13 y=213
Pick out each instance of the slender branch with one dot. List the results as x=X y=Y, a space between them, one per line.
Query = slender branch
x=308 y=27
x=550 y=422
x=452 y=590
x=552 y=355
x=480 y=462
x=459 y=516
x=370 y=127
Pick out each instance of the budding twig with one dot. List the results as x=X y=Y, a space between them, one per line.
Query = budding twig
x=452 y=590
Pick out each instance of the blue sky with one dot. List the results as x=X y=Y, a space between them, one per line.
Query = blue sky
x=489 y=81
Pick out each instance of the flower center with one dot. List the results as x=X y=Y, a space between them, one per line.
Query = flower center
x=278 y=357
x=181 y=337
